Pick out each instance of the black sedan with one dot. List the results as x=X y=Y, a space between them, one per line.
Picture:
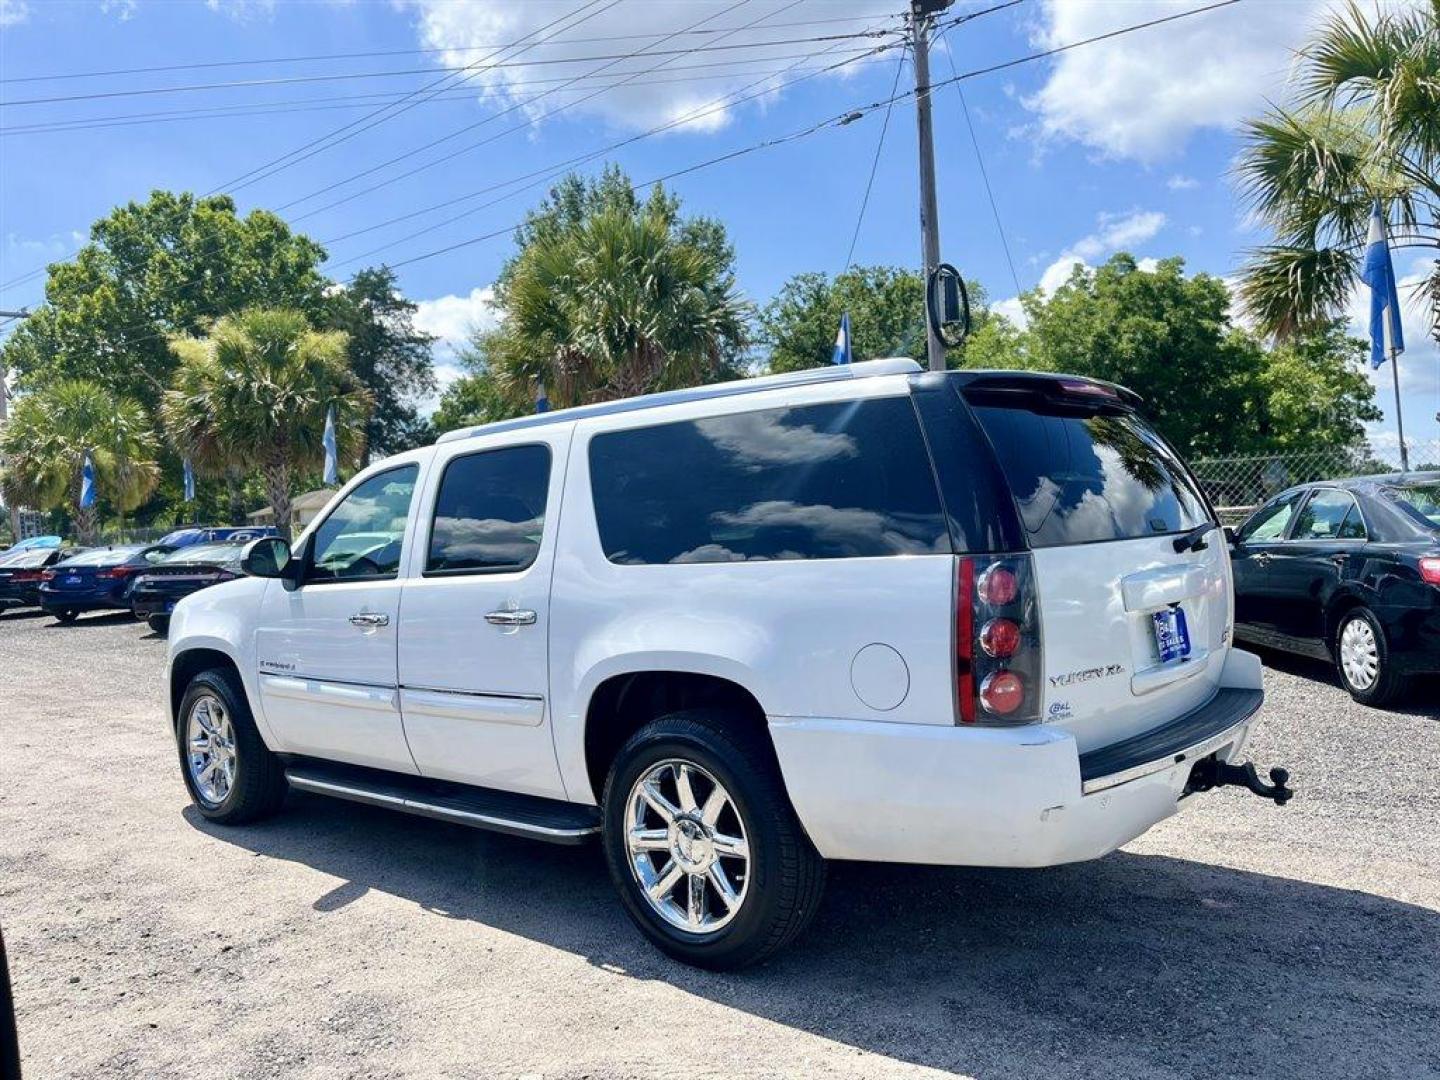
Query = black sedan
x=181 y=573
x=21 y=572
x=1346 y=571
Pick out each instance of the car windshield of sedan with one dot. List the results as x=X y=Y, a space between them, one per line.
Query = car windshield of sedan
x=1422 y=500
x=207 y=554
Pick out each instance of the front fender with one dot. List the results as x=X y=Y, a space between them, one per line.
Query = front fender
x=222 y=619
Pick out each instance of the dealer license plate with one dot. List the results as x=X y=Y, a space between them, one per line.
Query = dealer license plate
x=1172 y=636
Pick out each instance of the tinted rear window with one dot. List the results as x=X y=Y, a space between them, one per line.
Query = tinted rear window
x=1420 y=501
x=1081 y=479
x=103 y=556
x=833 y=481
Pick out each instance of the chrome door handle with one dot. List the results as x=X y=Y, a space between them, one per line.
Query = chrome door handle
x=368 y=619
x=511 y=618
x=1262 y=557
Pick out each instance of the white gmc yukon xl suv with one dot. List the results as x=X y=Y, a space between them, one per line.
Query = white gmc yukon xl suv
x=865 y=612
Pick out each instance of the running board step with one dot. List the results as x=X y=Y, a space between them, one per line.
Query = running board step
x=481 y=808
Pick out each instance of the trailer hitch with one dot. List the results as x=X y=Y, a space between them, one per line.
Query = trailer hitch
x=1210 y=773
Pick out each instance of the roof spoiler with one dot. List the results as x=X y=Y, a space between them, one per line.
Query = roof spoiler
x=1060 y=389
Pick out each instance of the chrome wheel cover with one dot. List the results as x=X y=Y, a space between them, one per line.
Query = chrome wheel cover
x=687 y=846
x=210 y=749
x=1359 y=654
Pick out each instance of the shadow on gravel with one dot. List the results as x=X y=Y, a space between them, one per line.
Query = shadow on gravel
x=1421 y=699
x=91 y=619
x=1133 y=964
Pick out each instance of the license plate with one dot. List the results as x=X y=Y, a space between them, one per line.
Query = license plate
x=1172 y=636
x=72 y=581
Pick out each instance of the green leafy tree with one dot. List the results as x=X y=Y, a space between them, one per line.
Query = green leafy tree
x=152 y=270
x=1213 y=388
x=1365 y=126
x=49 y=433
x=389 y=356
x=256 y=392
x=611 y=296
x=887 y=317
x=474 y=398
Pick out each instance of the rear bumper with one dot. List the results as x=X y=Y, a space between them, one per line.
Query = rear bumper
x=1001 y=796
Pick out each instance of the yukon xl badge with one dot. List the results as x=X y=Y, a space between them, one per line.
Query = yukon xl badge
x=1087 y=675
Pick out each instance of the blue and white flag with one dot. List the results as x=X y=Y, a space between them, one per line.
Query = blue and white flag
x=189 y=481
x=542 y=403
x=1386 y=339
x=87 y=482
x=841 y=355
x=332 y=457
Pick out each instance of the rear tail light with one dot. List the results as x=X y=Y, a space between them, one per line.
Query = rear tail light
x=1430 y=569
x=997 y=641
x=118 y=571
x=32 y=575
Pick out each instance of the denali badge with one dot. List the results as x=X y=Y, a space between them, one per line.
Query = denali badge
x=1086 y=674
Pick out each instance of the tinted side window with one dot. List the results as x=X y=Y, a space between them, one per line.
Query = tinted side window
x=1323 y=515
x=835 y=481
x=361 y=537
x=1270 y=522
x=490 y=511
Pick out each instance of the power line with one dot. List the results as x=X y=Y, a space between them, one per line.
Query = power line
x=728 y=69
x=518 y=105
x=317 y=57
x=984 y=176
x=352 y=75
x=874 y=164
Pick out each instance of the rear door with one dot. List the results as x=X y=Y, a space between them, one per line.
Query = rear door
x=1328 y=531
x=476 y=612
x=1102 y=500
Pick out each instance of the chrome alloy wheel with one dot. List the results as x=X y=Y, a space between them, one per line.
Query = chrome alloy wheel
x=687 y=846
x=210 y=749
x=1359 y=654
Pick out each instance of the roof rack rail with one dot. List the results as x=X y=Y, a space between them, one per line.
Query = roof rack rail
x=865 y=369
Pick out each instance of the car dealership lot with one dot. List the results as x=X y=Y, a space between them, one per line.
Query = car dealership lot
x=339 y=941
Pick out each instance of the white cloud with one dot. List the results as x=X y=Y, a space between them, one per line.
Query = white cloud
x=242 y=10
x=1179 y=182
x=1115 y=232
x=1143 y=94
x=452 y=320
x=468 y=33
x=13 y=12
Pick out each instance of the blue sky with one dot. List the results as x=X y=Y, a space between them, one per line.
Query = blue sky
x=1123 y=144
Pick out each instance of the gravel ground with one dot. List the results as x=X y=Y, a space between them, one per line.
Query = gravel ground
x=339 y=941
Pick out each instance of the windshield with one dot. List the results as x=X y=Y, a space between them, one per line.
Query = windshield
x=209 y=554
x=1083 y=479
x=103 y=556
x=1420 y=500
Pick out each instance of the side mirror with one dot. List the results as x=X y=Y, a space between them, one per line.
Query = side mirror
x=1232 y=535
x=268 y=557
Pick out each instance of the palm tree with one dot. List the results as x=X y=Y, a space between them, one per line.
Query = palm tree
x=1365 y=127
x=50 y=432
x=625 y=300
x=256 y=392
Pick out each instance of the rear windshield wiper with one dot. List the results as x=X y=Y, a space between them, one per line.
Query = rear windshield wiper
x=1194 y=540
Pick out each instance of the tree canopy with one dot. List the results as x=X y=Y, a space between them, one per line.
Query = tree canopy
x=610 y=295
x=170 y=265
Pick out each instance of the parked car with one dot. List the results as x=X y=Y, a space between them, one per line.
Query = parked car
x=1346 y=571
x=210 y=534
x=34 y=542
x=96 y=580
x=865 y=612
x=178 y=574
x=21 y=573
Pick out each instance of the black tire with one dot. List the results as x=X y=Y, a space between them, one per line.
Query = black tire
x=259 y=785
x=160 y=624
x=786 y=874
x=66 y=615
x=1388 y=684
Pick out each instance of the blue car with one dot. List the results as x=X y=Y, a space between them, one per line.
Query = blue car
x=96 y=580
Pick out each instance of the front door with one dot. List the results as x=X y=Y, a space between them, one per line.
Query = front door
x=1259 y=544
x=474 y=632
x=326 y=650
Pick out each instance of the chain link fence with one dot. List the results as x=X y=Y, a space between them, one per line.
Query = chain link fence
x=1237 y=485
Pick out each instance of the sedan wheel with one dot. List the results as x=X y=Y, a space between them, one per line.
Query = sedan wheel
x=1359 y=654
x=210 y=749
x=687 y=846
